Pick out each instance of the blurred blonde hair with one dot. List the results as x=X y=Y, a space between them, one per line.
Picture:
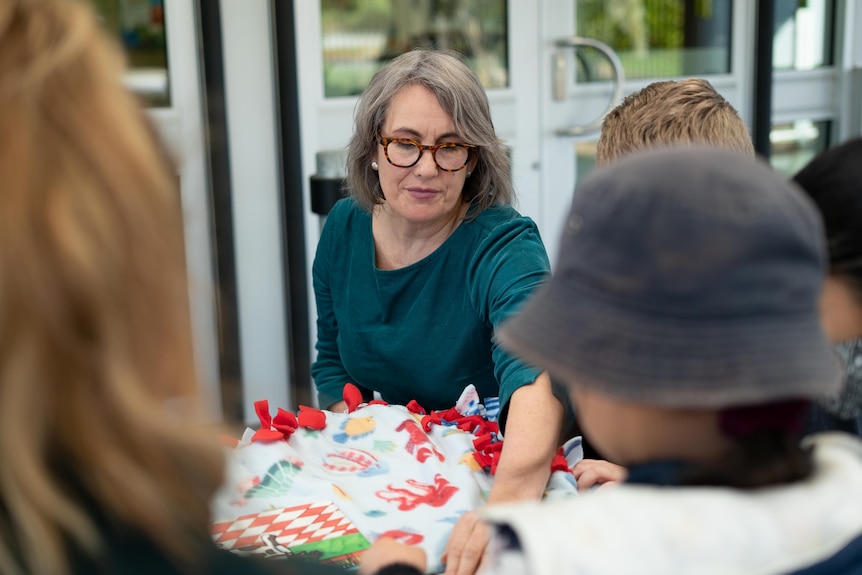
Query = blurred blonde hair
x=672 y=113
x=95 y=335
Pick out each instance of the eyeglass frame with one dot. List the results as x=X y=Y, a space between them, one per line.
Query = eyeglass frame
x=383 y=141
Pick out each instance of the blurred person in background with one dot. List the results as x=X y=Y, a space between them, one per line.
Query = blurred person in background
x=107 y=463
x=833 y=180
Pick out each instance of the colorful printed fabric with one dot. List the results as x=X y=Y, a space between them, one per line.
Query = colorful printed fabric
x=392 y=470
x=315 y=531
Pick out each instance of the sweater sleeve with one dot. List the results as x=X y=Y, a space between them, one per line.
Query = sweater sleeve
x=327 y=370
x=399 y=569
x=509 y=264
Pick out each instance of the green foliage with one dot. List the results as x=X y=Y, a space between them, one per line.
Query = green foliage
x=341 y=15
x=610 y=22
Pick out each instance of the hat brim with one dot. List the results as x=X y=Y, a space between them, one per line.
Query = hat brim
x=583 y=337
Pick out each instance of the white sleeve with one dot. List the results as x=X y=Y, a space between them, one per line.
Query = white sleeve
x=504 y=554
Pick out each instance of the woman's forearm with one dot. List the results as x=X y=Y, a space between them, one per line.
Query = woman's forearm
x=533 y=428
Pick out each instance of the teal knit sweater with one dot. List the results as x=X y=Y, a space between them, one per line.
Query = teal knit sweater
x=425 y=331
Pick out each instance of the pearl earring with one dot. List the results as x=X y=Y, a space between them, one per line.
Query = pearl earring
x=468 y=174
x=374 y=165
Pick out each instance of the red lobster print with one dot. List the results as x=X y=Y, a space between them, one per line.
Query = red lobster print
x=419 y=445
x=435 y=495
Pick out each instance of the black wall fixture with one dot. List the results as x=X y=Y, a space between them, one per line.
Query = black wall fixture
x=291 y=183
x=762 y=121
x=218 y=159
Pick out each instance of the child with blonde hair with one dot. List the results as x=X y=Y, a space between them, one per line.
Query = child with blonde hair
x=672 y=112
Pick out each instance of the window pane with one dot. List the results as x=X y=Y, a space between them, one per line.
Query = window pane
x=660 y=38
x=360 y=35
x=803 y=29
x=794 y=144
x=140 y=27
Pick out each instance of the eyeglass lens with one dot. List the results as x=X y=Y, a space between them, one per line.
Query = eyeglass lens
x=448 y=156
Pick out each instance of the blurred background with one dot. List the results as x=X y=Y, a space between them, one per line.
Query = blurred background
x=255 y=98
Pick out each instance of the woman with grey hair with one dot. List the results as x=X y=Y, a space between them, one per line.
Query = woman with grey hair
x=425 y=258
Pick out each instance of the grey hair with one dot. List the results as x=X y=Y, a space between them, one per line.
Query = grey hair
x=461 y=95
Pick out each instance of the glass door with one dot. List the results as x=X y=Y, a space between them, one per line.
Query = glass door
x=140 y=27
x=807 y=63
x=814 y=94
x=596 y=51
x=159 y=38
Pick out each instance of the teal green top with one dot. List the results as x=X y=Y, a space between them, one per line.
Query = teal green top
x=425 y=331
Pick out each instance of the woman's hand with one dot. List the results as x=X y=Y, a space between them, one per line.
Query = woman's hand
x=465 y=550
x=338 y=407
x=532 y=429
x=589 y=472
x=386 y=551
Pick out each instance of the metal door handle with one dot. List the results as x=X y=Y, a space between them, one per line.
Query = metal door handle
x=559 y=75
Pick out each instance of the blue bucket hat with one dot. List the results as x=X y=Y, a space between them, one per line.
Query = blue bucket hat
x=685 y=278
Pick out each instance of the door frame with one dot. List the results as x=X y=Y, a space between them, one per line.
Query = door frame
x=181 y=127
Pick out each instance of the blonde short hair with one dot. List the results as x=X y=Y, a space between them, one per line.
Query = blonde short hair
x=672 y=112
x=95 y=330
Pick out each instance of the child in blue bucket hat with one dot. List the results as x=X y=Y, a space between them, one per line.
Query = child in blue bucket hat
x=683 y=318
